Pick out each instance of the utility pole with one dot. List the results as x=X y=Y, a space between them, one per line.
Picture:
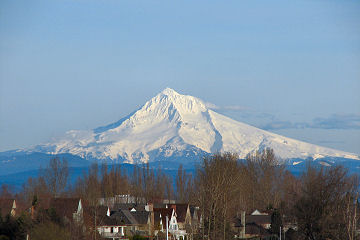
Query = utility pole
x=167 y=229
x=95 y=224
x=280 y=232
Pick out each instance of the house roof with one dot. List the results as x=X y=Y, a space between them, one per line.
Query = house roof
x=43 y=203
x=159 y=205
x=89 y=214
x=255 y=229
x=65 y=207
x=130 y=218
x=6 y=205
x=141 y=216
x=237 y=222
x=258 y=219
x=123 y=217
x=181 y=210
x=195 y=210
x=129 y=206
x=164 y=212
x=192 y=210
x=126 y=217
x=260 y=212
x=252 y=219
x=157 y=218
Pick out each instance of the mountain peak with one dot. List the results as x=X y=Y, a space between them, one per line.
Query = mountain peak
x=169 y=91
x=172 y=125
x=169 y=98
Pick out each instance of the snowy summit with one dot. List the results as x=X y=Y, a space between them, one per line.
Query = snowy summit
x=178 y=127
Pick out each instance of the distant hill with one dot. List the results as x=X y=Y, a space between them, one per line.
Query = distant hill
x=295 y=166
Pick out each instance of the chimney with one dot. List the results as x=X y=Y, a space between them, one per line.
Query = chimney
x=243 y=222
x=108 y=212
x=150 y=208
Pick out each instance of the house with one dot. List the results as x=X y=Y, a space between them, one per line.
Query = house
x=258 y=213
x=173 y=225
x=260 y=218
x=110 y=227
x=195 y=219
x=141 y=217
x=183 y=215
x=195 y=215
x=160 y=215
x=256 y=224
x=133 y=207
x=126 y=220
x=184 y=218
x=7 y=207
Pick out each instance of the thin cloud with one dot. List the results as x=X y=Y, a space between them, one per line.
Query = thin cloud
x=211 y=106
x=236 y=108
x=279 y=125
x=335 y=121
x=270 y=122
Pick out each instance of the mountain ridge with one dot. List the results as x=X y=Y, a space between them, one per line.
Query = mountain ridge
x=170 y=123
x=170 y=127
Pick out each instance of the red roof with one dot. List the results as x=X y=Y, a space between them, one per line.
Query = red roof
x=181 y=210
x=164 y=212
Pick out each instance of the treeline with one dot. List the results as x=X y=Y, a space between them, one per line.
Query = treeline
x=321 y=204
x=101 y=181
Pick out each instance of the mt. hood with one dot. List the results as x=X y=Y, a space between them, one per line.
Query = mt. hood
x=172 y=126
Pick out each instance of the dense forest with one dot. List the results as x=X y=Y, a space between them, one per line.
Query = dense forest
x=322 y=203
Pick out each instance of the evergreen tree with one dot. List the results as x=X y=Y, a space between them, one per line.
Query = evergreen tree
x=276 y=222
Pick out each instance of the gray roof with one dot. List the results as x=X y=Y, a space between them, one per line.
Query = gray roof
x=141 y=216
x=258 y=219
x=130 y=218
x=129 y=206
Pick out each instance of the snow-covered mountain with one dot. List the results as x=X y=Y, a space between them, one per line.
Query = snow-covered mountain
x=173 y=126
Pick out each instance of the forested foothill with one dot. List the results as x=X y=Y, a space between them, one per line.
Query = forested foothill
x=224 y=199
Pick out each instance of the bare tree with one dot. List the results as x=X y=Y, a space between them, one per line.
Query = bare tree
x=262 y=180
x=350 y=214
x=181 y=181
x=105 y=181
x=34 y=187
x=326 y=206
x=120 y=180
x=169 y=191
x=218 y=180
x=5 y=192
x=89 y=188
x=137 y=184
x=56 y=176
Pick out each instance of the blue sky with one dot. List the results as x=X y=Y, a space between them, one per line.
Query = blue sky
x=291 y=67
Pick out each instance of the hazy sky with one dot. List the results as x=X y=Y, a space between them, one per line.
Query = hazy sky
x=291 y=67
